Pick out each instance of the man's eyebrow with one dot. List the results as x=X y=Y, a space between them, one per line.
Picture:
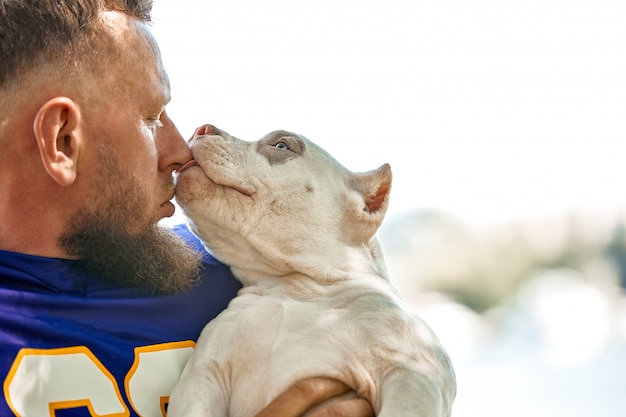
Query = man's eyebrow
x=167 y=90
x=160 y=102
x=165 y=98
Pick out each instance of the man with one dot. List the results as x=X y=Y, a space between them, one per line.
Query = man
x=99 y=306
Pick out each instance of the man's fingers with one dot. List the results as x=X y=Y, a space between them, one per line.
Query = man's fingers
x=304 y=395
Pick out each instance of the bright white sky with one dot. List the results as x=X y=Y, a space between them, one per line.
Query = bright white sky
x=485 y=109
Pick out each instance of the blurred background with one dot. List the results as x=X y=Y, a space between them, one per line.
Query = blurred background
x=504 y=124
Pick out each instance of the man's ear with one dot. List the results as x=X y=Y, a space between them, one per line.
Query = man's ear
x=56 y=131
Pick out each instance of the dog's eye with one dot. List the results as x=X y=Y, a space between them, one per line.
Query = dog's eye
x=282 y=145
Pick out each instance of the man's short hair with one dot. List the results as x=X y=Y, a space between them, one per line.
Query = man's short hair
x=62 y=33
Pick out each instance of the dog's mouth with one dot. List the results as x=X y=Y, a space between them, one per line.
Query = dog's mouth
x=239 y=189
x=188 y=165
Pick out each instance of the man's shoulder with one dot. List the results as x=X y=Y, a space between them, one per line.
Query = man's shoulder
x=65 y=346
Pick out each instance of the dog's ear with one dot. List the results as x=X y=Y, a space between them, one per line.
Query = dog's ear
x=368 y=212
x=379 y=186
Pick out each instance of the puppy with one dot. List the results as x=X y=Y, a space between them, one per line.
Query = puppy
x=298 y=230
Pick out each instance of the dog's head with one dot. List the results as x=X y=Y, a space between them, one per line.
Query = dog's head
x=279 y=205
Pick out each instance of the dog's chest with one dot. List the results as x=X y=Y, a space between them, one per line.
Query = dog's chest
x=281 y=328
x=275 y=340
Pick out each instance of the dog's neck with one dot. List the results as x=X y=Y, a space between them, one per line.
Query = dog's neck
x=304 y=287
x=310 y=274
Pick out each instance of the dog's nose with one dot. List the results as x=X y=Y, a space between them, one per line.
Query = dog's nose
x=204 y=130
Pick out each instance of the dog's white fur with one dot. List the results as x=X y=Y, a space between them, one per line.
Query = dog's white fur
x=298 y=230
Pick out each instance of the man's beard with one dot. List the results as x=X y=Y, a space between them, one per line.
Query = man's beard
x=112 y=240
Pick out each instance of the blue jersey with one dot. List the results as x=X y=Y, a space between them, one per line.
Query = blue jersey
x=74 y=345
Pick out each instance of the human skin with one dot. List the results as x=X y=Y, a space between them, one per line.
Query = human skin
x=52 y=129
x=54 y=132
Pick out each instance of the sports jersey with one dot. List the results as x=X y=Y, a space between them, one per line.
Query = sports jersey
x=72 y=344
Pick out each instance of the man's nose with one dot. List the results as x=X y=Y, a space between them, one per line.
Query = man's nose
x=173 y=151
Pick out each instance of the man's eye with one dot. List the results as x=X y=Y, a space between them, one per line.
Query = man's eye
x=282 y=145
x=154 y=123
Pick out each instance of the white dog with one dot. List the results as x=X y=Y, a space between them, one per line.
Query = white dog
x=297 y=229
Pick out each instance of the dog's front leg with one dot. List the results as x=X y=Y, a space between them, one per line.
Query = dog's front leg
x=199 y=393
x=406 y=393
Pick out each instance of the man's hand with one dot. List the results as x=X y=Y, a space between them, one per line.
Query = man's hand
x=307 y=393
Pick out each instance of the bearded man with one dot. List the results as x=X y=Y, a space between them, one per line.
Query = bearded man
x=99 y=305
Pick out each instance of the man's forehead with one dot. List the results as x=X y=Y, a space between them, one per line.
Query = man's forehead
x=119 y=23
x=128 y=32
x=135 y=37
x=166 y=89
